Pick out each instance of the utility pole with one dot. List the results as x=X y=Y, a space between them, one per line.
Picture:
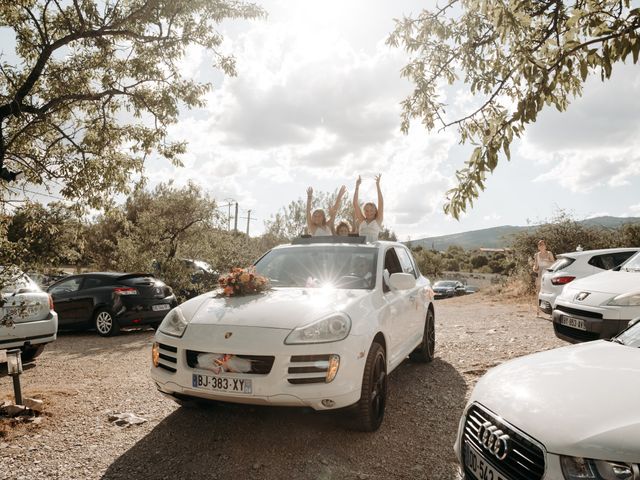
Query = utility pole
x=235 y=220
x=248 y=220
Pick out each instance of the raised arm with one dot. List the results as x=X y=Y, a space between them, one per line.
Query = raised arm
x=334 y=209
x=380 y=215
x=309 y=198
x=356 y=205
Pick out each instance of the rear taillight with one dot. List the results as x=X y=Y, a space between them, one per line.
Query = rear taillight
x=50 y=303
x=125 y=291
x=562 y=280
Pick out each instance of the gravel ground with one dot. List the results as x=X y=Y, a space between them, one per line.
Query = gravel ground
x=83 y=378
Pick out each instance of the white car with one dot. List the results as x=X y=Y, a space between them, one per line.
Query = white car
x=338 y=318
x=27 y=318
x=575 y=265
x=599 y=306
x=565 y=414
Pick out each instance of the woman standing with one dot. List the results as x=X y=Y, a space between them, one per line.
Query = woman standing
x=369 y=223
x=541 y=261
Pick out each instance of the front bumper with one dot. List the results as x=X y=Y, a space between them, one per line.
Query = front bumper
x=34 y=332
x=273 y=388
x=597 y=321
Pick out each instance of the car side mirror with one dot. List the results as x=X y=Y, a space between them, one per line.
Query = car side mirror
x=402 y=281
x=633 y=322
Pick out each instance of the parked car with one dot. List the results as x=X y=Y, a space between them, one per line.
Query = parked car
x=565 y=414
x=27 y=318
x=599 y=306
x=575 y=265
x=338 y=318
x=448 y=289
x=108 y=301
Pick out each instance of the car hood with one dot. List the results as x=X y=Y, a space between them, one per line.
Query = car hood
x=285 y=308
x=580 y=400
x=608 y=282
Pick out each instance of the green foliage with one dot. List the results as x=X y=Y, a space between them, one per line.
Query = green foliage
x=45 y=237
x=96 y=84
x=478 y=261
x=430 y=263
x=518 y=58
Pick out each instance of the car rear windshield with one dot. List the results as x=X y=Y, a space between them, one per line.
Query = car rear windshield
x=445 y=284
x=561 y=263
x=16 y=282
x=336 y=266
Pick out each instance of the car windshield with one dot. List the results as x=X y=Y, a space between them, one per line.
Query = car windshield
x=317 y=266
x=14 y=281
x=632 y=265
x=445 y=284
x=561 y=263
x=630 y=337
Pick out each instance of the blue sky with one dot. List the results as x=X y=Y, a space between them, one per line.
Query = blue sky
x=316 y=102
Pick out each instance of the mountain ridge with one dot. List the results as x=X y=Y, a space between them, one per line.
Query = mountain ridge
x=499 y=237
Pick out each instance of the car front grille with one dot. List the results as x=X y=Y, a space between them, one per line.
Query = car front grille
x=525 y=459
x=305 y=369
x=578 y=312
x=168 y=359
x=259 y=364
x=574 y=333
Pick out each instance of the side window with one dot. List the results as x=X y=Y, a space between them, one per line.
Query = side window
x=93 y=282
x=391 y=265
x=621 y=257
x=70 y=285
x=405 y=261
x=604 y=262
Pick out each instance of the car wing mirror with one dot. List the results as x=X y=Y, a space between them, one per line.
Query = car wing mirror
x=402 y=281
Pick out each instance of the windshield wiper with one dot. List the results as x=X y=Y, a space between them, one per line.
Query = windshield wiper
x=617 y=340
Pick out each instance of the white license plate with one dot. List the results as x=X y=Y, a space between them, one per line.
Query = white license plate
x=222 y=384
x=573 y=322
x=160 y=307
x=475 y=462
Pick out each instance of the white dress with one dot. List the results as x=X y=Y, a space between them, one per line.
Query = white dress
x=322 y=232
x=370 y=230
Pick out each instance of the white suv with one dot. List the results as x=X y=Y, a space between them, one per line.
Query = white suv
x=575 y=265
x=338 y=318
x=27 y=319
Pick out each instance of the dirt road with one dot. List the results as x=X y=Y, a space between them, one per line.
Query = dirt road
x=83 y=378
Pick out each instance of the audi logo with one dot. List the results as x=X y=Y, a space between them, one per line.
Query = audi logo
x=494 y=440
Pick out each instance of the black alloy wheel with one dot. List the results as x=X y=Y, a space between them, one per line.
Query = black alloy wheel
x=425 y=352
x=373 y=398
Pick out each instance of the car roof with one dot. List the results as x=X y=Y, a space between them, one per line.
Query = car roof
x=597 y=252
x=350 y=241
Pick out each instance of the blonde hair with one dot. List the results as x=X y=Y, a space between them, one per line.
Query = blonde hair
x=324 y=217
x=373 y=205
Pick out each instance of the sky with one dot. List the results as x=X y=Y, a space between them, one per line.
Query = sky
x=316 y=102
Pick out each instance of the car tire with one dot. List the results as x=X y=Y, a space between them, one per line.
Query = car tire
x=426 y=350
x=373 y=397
x=105 y=323
x=30 y=352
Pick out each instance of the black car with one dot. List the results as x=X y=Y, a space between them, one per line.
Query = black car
x=448 y=288
x=108 y=301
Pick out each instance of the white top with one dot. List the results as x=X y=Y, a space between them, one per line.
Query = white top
x=322 y=232
x=370 y=230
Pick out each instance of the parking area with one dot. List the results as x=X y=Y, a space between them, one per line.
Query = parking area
x=83 y=378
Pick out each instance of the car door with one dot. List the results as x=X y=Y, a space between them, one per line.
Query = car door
x=64 y=294
x=416 y=312
x=396 y=317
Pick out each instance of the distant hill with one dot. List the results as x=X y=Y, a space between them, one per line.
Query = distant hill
x=499 y=237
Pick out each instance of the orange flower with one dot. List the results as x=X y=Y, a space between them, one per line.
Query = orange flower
x=228 y=291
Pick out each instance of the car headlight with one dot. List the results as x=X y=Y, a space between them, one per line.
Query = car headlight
x=333 y=328
x=625 y=300
x=575 y=468
x=174 y=323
